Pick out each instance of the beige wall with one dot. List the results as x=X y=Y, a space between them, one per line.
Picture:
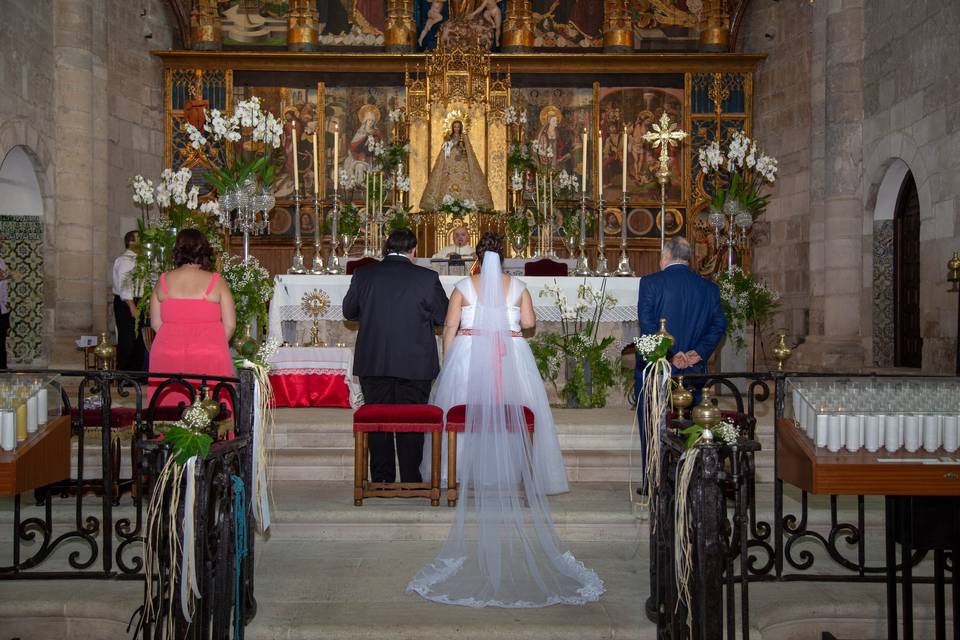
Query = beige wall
x=83 y=96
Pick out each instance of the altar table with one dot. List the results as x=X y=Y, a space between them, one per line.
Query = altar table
x=312 y=377
x=288 y=291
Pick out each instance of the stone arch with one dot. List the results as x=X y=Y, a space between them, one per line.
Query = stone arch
x=21 y=143
x=894 y=158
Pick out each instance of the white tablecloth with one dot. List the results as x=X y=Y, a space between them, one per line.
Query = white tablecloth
x=288 y=291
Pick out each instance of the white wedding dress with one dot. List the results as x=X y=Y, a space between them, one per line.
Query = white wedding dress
x=502 y=550
x=452 y=389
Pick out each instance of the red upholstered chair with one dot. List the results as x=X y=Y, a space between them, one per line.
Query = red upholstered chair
x=353 y=265
x=456 y=423
x=545 y=267
x=395 y=418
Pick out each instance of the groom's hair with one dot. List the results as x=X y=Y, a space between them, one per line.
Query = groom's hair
x=400 y=241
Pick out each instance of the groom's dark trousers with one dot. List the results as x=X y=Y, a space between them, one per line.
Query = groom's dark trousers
x=397 y=304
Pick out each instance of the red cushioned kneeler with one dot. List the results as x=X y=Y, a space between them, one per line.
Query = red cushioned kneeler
x=395 y=418
x=545 y=267
x=456 y=423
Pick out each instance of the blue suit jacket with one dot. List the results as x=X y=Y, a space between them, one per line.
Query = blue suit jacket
x=691 y=305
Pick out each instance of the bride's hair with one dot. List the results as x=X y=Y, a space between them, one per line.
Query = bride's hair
x=490 y=241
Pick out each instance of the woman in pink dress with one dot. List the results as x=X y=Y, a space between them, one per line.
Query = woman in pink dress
x=192 y=313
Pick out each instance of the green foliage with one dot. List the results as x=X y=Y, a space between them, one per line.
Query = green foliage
x=745 y=299
x=519 y=158
x=252 y=288
x=185 y=443
x=393 y=154
x=517 y=223
x=349 y=221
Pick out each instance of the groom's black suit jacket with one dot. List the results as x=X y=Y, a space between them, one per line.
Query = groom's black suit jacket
x=398 y=304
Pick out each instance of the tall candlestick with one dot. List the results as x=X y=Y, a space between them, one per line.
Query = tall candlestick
x=583 y=167
x=600 y=163
x=317 y=226
x=296 y=169
x=623 y=158
x=336 y=155
x=316 y=165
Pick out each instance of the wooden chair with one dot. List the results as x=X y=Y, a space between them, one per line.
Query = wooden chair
x=395 y=418
x=456 y=422
x=545 y=267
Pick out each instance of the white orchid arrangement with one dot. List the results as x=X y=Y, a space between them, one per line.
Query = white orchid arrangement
x=449 y=204
x=250 y=134
x=739 y=172
x=516 y=181
x=397 y=115
x=173 y=191
x=541 y=149
x=568 y=182
x=514 y=115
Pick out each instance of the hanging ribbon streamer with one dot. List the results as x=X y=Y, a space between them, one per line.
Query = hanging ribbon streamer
x=262 y=426
x=239 y=546
x=656 y=397
x=682 y=544
x=188 y=561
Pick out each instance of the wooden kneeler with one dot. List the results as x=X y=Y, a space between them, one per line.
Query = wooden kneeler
x=395 y=418
x=456 y=423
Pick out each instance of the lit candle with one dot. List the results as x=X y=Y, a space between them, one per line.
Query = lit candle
x=623 y=158
x=296 y=170
x=336 y=155
x=583 y=166
x=316 y=166
x=43 y=405
x=599 y=162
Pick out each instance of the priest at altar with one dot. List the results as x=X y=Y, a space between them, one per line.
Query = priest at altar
x=460 y=246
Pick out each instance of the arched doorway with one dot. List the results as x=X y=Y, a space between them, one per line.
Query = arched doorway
x=908 y=344
x=21 y=231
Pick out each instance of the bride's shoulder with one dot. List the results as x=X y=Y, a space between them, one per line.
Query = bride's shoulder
x=464 y=285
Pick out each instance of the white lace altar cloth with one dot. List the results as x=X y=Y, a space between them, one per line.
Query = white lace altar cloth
x=316 y=361
x=288 y=291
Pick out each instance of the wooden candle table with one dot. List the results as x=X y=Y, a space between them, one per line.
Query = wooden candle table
x=42 y=459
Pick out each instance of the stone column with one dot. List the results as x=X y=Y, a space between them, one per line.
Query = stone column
x=302 y=26
x=205 y=31
x=837 y=230
x=400 y=34
x=617 y=26
x=714 y=26
x=80 y=125
x=518 y=27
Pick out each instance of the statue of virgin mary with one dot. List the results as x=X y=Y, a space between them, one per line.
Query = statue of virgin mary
x=456 y=173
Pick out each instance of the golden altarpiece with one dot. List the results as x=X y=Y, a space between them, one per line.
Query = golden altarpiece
x=562 y=98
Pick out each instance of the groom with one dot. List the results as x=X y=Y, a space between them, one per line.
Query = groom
x=398 y=304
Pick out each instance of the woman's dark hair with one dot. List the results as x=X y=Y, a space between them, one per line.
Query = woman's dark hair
x=400 y=241
x=490 y=241
x=192 y=247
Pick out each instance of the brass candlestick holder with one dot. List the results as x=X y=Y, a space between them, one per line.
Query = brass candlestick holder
x=333 y=262
x=315 y=304
x=602 y=269
x=623 y=265
x=318 y=221
x=680 y=397
x=782 y=352
x=583 y=268
x=297 y=267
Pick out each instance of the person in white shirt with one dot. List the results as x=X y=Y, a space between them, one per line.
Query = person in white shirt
x=460 y=247
x=4 y=311
x=131 y=352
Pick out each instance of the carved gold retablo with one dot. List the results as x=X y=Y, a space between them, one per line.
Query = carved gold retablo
x=302 y=26
x=617 y=26
x=714 y=26
x=518 y=27
x=400 y=34
x=206 y=33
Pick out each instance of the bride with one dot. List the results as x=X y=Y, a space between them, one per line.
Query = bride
x=502 y=549
x=452 y=383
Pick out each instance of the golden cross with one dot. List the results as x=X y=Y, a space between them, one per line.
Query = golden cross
x=664 y=135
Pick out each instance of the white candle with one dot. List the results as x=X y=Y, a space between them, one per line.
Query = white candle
x=43 y=405
x=8 y=430
x=624 y=158
x=296 y=170
x=599 y=163
x=316 y=166
x=32 y=414
x=336 y=155
x=583 y=167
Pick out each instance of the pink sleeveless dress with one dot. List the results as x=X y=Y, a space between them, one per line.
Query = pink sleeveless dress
x=190 y=340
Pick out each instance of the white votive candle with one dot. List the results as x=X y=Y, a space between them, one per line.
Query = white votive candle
x=835 y=433
x=32 y=414
x=853 y=432
x=871 y=433
x=931 y=432
x=8 y=430
x=821 y=439
x=43 y=406
x=891 y=433
x=911 y=433
x=950 y=433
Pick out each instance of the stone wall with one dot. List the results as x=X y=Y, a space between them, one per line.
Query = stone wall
x=83 y=96
x=848 y=88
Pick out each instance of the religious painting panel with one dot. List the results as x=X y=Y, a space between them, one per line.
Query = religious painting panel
x=636 y=109
x=556 y=118
x=362 y=116
x=665 y=24
x=467 y=17
x=351 y=23
x=644 y=222
x=254 y=23
x=567 y=24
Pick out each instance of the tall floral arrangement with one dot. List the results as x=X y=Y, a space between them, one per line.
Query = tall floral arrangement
x=745 y=299
x=251 y=286
x=590 y=371
x=239 y=145
x=739 y=172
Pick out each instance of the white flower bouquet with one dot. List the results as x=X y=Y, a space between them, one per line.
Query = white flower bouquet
x=739 y=172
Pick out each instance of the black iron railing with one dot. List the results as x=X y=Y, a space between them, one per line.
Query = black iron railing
x=110 y=531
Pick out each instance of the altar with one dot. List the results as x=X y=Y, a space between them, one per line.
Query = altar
x=287 y=313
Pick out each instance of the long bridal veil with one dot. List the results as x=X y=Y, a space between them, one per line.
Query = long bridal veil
x=502 y=549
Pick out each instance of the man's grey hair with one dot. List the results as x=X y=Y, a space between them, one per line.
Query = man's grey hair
x=679 y=249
